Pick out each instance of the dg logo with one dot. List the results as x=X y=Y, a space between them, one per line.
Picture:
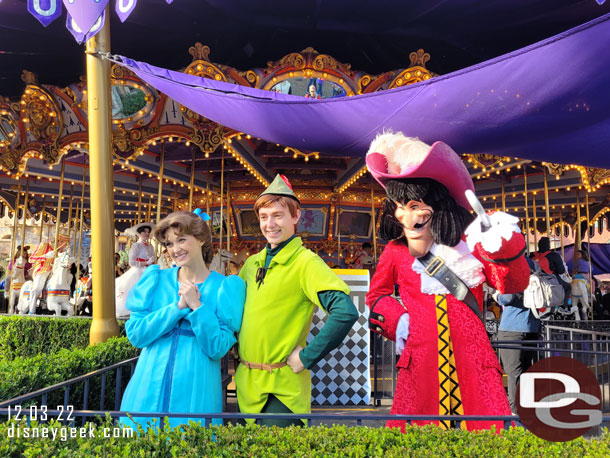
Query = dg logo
x=559 y=399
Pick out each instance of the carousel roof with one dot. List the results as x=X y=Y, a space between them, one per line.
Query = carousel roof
x=46 y=122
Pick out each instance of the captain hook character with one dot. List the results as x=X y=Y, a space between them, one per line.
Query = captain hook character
x=440 y=256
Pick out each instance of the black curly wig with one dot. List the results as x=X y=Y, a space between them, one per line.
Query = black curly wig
x=448 y=221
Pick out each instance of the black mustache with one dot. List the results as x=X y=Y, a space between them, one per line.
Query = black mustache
x=420 y=225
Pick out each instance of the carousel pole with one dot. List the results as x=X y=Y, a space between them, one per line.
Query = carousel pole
x=339 y=231
x=59 y=199
x=222 y=180
x=41 y=222
x=503 y=196
x=160 y=188
x=149 y=209
x=80 y=224
x=207 y=200
x=561 y=233
x=578 y=241
x=75 y=231
x=103 y=324
x=546 y=204
x=527 y=216
x=373 y=219
x=70 y=211
x=192 y=182
x=535 y=221
x=228 y=219
x=15 y=219
x=138 y=217
x=590 y=278
x=25 y=213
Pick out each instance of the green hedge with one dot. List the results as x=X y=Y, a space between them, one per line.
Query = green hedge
x=24 y=336
x=253 y=441
x=25 y=375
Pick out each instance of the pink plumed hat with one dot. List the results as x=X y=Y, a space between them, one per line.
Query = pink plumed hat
x=394 y=156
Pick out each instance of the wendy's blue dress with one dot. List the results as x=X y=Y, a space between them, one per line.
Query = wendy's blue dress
x=179 y=367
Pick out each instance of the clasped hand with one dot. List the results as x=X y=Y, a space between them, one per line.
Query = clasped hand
x=189 y=296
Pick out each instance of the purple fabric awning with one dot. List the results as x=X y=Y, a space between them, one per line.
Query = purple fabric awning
x=547 y=102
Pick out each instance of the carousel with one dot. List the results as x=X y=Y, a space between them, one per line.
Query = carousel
x=166 y=157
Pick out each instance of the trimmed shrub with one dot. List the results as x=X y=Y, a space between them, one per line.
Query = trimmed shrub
x=25 y=375
x=254 y=441
x=24 y=336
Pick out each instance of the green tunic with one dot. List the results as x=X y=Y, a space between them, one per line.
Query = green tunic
x=277 y=318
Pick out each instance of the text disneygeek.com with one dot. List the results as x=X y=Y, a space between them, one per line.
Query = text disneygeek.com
x=64 y=433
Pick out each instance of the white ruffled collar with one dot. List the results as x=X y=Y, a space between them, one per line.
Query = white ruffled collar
x=460 y=260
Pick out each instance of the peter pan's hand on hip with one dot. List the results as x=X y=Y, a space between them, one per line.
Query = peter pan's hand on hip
x=294 y=361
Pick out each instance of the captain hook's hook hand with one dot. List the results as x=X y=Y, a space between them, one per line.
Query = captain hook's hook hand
x=489 y=230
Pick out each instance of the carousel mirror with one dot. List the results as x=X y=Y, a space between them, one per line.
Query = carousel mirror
x=127 y=101
x=316 y=88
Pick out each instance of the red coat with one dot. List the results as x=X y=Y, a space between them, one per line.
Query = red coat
x=479 y=372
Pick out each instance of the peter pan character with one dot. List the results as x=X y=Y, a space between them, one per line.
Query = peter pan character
x=284 y=283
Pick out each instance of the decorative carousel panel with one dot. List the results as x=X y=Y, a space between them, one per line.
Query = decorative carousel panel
x=41 y=115
x=203 y=67
x=352 y=222
x=9 y=127
x=313 y=221
x=307 y=74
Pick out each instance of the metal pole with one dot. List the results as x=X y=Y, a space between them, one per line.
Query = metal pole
x=207 y=201
x=41 y=222
x=103 y=324
x=503 y=196
x=70 y=211
x=561 y=233
x=15 y=219
x=80 y=228
x=578 y=241
x=192 y=182
x=591 y=287
x=25 y=213
x=75 y=231
x=374 y=225
x=535 y=222
x=138 y=217
x=59 y=199
x=160 y=188
x=339 y=231
x=149 y=209
x=546 y=204
x=527 y=216
x=222 y=174
x=228 y=219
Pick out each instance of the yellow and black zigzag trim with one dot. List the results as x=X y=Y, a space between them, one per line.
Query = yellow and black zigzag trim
x=450 y=400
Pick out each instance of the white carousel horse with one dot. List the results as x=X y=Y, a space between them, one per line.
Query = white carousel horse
x=82 y=293
x=32 y=290
x=17 y=281
x=580 y=294
x=56 y=292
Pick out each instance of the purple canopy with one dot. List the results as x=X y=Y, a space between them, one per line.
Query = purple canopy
x=547 y=102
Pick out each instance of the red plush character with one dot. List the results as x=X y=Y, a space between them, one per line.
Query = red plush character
x=439 y=258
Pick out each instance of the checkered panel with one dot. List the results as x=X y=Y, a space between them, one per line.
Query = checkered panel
x=343 y=377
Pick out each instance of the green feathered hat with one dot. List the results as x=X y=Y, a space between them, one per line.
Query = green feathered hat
x=280 y=186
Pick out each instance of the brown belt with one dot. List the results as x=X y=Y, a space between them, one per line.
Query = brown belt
x=263 y=366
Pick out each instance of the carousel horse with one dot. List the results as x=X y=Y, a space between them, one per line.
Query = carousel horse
x=56 y=291
x=220 y=261
x=17 y=281
x=81 y=300
x=580 y=295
